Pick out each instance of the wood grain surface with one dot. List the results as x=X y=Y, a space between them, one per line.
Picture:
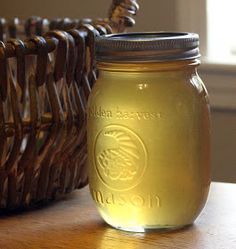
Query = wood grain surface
x=74 y=223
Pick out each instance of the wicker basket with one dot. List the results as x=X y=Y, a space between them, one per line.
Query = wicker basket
x=45 y=82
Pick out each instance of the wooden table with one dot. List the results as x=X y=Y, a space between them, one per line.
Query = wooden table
x=74 y=223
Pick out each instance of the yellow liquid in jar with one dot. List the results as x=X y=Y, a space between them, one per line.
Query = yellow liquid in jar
x=148 y=137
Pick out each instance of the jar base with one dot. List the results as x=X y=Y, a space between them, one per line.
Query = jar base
x=145 y=229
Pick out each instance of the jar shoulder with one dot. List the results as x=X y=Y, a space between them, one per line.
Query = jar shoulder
x=146 y=85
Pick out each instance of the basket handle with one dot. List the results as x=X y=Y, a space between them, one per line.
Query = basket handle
x=121 y=14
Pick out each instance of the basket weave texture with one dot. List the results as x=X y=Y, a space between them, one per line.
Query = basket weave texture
x=45 y=81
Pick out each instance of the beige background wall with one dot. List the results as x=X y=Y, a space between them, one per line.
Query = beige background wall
x=224 y=145
x=153 y=15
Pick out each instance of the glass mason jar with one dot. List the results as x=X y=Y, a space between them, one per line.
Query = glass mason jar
x=148 y=131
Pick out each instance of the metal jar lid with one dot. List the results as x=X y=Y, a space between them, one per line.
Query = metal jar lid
x=144 y=47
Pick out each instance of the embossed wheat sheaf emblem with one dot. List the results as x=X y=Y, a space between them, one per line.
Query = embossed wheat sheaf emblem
x=119 y=162
x=120 y=157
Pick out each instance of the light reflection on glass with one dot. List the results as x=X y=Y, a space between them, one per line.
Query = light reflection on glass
x=142 y=86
